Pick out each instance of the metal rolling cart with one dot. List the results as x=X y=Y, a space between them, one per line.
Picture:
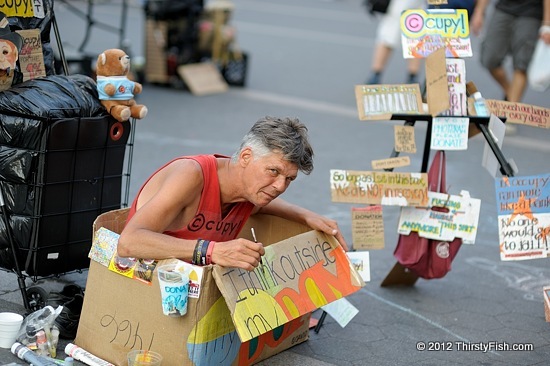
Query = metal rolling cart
x=63 y=161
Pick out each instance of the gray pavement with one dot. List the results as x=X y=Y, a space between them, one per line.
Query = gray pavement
x=305 y=58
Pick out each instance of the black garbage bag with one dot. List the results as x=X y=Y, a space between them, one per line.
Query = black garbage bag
x=59 y=167
x=54 y=96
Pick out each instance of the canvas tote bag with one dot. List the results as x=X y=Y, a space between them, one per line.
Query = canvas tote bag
x=428 y=258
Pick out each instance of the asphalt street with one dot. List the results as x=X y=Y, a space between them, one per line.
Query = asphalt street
x=304 y=59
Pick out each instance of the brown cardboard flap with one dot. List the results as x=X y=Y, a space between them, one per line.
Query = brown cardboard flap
x=298 y=275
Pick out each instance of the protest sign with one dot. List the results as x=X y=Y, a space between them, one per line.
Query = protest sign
x=460 y=220
x=449 y=133
x=367 y=227
x=404 y=139
x=424 y=31
x=391 y=163
x=520 y=113
x=379 y=102
x=523 y=208
x=297 y=276
x=386 y=188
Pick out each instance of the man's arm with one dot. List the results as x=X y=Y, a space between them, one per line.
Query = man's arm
x=166 y=204
x=289 y=211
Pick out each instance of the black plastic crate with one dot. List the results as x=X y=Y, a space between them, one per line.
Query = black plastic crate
x=76 y=174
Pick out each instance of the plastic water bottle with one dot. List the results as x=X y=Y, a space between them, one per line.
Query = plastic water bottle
x=479 y=102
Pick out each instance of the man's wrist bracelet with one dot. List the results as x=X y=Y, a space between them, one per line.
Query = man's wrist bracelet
x=199 y=254
x=544 y=29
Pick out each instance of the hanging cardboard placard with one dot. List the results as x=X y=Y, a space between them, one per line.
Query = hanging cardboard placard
x=386 y=188
x=379 y=102
x=461 y=220
x=367 y=227
x=520 y=113
x=449 y=133
x=423 y=31
x=404 y=139
x=391 y=163
x=523 y=216
x=437 y=90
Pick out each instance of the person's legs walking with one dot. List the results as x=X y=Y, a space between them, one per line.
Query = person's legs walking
x=496 y=45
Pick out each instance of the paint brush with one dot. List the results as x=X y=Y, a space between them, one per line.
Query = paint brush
x=255 y=241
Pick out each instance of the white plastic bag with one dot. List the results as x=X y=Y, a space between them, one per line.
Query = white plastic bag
x=538 y=73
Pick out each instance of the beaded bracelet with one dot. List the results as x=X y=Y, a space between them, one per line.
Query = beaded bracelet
x=209 y=252
x=199 y=254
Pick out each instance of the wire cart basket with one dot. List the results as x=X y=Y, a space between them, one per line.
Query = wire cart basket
x=63 y=161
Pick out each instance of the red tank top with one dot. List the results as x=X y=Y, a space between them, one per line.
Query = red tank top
x=208 y=222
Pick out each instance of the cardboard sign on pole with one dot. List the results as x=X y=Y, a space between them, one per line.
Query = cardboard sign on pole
x=379 y=102
x=404 y=139
x=391 y=163
x=520 y=113
x=437 y=90
x=386 y=188
x=523 y=216
x=367 y=227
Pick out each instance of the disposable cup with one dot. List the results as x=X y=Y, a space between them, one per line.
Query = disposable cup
x=144 y=358
x=9 y=328
x=174 y=289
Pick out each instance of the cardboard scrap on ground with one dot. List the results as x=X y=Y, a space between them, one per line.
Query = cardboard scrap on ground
x=203 y=78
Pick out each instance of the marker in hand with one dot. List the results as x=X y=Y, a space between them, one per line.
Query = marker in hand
x=255 y=241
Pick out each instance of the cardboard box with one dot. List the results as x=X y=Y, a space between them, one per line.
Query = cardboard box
x=261 y=313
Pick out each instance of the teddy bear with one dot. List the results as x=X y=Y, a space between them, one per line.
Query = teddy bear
x=115 y=90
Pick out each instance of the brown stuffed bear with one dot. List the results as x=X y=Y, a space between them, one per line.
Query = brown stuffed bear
x=115 y=90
